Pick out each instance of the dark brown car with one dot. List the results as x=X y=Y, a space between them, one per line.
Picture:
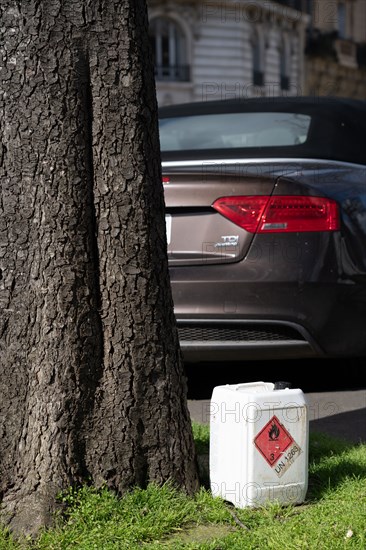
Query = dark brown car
x=266 y=226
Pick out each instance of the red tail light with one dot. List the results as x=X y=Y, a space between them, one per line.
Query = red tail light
x=280 y=214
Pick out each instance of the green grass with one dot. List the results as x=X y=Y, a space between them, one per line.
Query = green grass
x=332 y=517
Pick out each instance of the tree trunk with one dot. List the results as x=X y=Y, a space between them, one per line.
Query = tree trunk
x=91 y=375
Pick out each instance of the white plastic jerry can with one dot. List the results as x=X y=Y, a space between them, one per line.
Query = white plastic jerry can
x=259 y=441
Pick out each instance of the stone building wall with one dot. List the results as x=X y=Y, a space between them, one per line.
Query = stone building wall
x=327 y=77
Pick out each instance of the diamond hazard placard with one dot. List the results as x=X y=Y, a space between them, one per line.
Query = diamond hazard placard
x=273 y=440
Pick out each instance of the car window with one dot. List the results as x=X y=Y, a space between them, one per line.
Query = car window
x=233 y=130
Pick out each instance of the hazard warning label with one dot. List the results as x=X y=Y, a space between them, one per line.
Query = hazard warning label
x=273 y=440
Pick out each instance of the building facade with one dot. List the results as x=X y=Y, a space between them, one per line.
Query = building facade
x=205 y=50
x=335 y=53
x=213 y=49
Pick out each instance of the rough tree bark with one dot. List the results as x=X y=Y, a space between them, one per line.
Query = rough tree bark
x=91 y=377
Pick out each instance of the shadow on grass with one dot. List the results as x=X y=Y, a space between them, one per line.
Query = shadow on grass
x=323 y=445
x=333 y=461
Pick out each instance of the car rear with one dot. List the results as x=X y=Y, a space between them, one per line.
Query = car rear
x=256 y=250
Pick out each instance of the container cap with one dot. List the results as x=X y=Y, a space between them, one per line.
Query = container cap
x=282 y=385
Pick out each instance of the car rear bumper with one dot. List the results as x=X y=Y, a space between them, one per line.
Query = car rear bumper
x=270 y=320
x=295 y=298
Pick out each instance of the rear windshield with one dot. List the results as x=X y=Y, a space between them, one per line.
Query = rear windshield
x=233 y=131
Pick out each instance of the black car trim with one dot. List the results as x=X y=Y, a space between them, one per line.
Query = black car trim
x=292 y=336
x=194 y=352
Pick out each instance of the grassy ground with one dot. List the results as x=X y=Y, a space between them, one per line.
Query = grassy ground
x=332 y=517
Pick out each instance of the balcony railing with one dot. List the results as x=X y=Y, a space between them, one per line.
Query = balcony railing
x=174 y=73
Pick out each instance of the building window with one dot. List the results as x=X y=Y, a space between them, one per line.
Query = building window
x=341 y=20
x=284 y=65
x=169 y=50
x=257 y=64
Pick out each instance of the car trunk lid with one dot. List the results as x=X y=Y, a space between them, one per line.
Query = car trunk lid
x=196 y=232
